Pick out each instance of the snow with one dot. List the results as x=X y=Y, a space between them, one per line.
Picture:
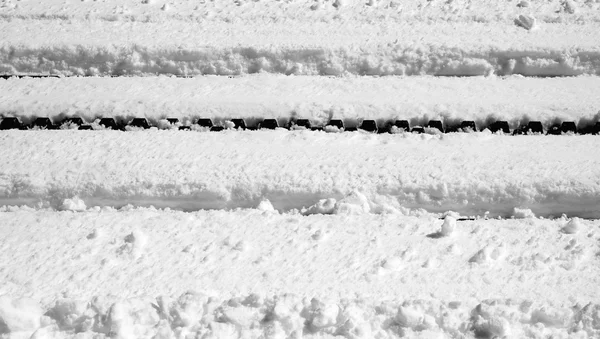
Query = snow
x=59 y=281
x=289 y=234
x=300 y=37
x=417 y=99
x=469 y=173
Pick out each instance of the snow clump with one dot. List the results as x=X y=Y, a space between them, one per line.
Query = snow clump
x=19 y=315
x=324 y=206
x=352 y=204
x=523 y=213
x=73 y=204
x=572 y=226
x=265 y=206
x=526 y=21
x=448 y=227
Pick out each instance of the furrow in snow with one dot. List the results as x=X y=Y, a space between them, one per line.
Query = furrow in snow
x=468 y=173
x=84 y=60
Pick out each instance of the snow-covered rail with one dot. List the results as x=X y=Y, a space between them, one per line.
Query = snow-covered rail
x=333 y=125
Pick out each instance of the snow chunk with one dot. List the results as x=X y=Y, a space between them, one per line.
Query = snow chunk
x=568 y=6
x=408 y=317
x=324 y=206
x=323 y=314
x=189 y=309
x=523 y=213
x=19 y=315
x=265 y=206
x=133 y=318
x=393 y=264
x=448 y=227
x=572 y=226
x=73 y=204
x=138 y=241
x=354 y=203
x=527 y=21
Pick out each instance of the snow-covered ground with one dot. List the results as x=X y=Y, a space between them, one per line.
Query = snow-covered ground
x=301 y=37
x=482 y=99
x=290 y=234
x=470 y=173
x=260 y=274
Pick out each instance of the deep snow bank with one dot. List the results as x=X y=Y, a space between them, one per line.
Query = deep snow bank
x=288 y=316
x=469 y=173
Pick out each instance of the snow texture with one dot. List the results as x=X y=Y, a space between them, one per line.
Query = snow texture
x=514 y=99
x=300 y=37
x=250 y=274
x=361 y=173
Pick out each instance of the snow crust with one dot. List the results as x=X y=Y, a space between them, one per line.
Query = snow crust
x=417 y=99
x=146 y=273
x=470 y=173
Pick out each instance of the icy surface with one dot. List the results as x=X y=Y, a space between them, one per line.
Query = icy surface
x=470 y=173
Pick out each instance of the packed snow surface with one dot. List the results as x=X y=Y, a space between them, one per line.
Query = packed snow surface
x=470 y=173
x=147 y=273
x=301 y=37
x=514 y=99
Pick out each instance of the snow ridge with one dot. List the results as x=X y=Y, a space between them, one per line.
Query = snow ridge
x=234 y=169
x=383 y=60
x=202 y=315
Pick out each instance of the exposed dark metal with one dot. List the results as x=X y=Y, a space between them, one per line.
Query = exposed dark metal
x=140 y=123
x=500 y=126
x=369 y=126
x=436 y=124
x=204 y=122
x=10 y=123
x=43 y=123
x=269 y=124
x=239 y=123
x=109 y=123
x=336 y=123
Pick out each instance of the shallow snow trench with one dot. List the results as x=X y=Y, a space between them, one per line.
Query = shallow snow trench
x=358 y=173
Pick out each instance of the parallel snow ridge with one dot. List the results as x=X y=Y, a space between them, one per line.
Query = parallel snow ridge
x=83 y=60
x=202 y=315
x=469 y=173
x=483 y=100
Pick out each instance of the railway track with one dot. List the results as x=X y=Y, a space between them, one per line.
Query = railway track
x=333 y=125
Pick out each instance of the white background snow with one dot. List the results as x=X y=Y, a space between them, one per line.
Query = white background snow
x=290 y=234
